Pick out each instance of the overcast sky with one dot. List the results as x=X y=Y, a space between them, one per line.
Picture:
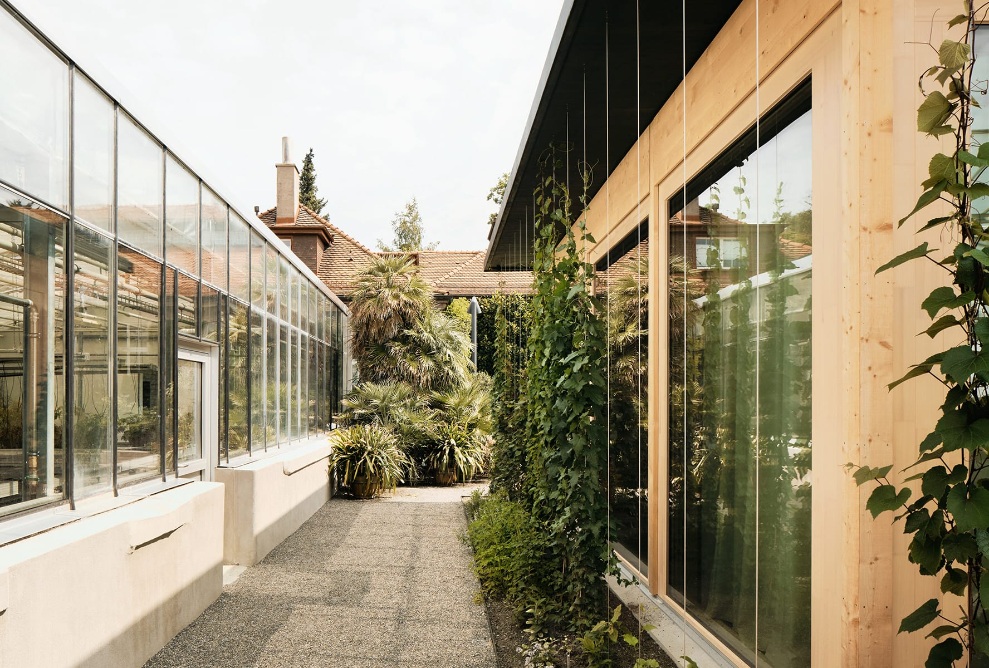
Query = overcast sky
x=397 y=98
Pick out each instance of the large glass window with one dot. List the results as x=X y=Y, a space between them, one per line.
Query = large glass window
x=34 y=115
x=181 y=217
x=237 y=387
x=93 y=154
x=626 y=302
x=240 y=258
x=271 y=383
x=31 y=299
x=258 y=266
x=140 y=185
x=214 y=239
x=257 y=369
x=740 y=394
x=92 y=411
x=188 y=306
x=138 y=314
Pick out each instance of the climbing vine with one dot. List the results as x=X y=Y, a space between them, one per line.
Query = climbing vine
x=949 y=522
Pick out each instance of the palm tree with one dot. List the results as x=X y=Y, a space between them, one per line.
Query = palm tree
x=433 y=355
x=390 y=298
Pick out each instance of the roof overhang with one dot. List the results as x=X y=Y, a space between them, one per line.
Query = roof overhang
x=586 y=98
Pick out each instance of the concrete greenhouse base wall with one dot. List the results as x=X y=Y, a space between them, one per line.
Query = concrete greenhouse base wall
x=112 y=589
x=268 y=499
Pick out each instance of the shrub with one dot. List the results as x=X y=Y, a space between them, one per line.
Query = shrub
x=508 y=551
x=367 y=451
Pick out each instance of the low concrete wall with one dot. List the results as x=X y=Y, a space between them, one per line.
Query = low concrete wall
x=268 y=499
x=112 y=589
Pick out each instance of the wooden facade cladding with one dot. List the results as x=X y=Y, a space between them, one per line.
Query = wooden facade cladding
x=863 y=57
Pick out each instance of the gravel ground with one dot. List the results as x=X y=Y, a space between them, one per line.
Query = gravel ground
x=362 y=584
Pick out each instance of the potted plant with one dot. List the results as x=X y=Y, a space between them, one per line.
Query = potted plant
x=368 y=459
x=455 y=453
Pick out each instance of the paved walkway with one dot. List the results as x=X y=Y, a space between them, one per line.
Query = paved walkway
x=362 y=584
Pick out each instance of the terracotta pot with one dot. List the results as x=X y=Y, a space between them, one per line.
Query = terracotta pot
x=364 y=488
x=446 y=478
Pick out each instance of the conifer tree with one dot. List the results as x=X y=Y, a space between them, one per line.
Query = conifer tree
x=307 y=186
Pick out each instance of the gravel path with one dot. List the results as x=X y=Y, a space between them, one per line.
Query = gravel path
x=362 y=584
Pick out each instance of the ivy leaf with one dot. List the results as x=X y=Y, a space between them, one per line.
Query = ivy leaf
x=953 y=55
x=944 y=654
x=957 y=432
x=885 y=497
x=933 y=111
x=970 y=509
x=920 y=251
x=920 y=617
x=928 y=196
x=962 y=362
x=866 y=473
x=941 y=324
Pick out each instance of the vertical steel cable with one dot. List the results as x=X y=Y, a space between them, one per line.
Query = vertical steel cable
x=683 y=215
x=607 y=285
x=638 y=301
x=758 y=329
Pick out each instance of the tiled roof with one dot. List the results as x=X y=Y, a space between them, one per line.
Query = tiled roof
x=451 y=273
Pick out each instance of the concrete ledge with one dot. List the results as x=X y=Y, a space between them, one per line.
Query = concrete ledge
x=670 y=632
x=112 y=589
x=268 y=499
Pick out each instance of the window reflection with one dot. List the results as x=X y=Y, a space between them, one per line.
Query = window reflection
x=93 y=154
x=237 y=361
x=34 y=115
x=240 y=258
x=214 y=239
x=740 y=400
x=93 y=321
x=31 y=299
x=139 y=186
x=138 y=312
x=181 y=217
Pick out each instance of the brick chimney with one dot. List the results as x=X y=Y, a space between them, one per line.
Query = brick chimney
x=287 y=198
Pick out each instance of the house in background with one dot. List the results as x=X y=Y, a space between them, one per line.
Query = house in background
x=337 y=258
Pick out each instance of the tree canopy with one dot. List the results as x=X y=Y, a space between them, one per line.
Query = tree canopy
x=407 y=226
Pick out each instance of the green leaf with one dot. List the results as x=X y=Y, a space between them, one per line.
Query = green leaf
x=945 y=297
x=958 y=20
x=920 y=617
x=942 y=168
x=958 y=433
x=982 y=330
x=885 y=497
x=984 y=588
x=953 y=55
x=928 y=456
x=944 y=654
x=918 y=369
x=973 y=160
x=959 y=547
x=916 y=521
x=920 y=251
x=977 y=190
x=630 y=640
x=933 y=111
x=866 y=473
x=925 y=551
x=962 y=362
x=955 y=580
x=937 y=479
x=941 y=324
x=928 y=196
x=970 y=507
x=980 y=256
x=942 y=631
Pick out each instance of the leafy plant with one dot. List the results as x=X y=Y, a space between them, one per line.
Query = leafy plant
x=597 y=643
x=367 y=451
x=949 y=522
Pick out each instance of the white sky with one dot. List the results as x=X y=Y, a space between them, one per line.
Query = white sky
x=397 y=98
